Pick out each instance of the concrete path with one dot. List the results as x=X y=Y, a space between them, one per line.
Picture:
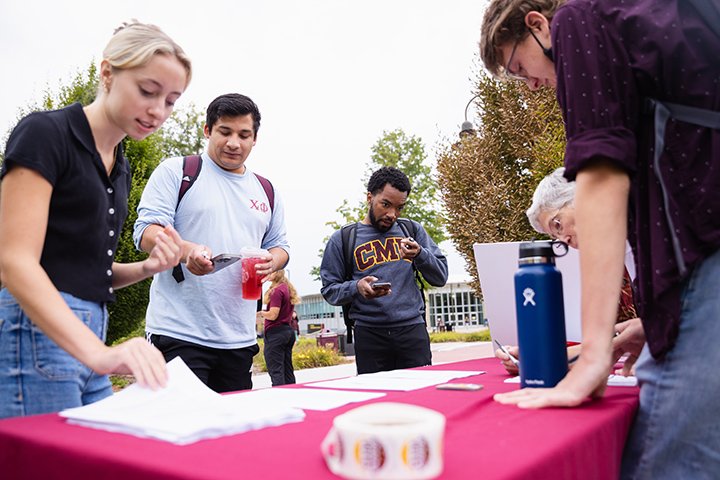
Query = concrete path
x=441 y=352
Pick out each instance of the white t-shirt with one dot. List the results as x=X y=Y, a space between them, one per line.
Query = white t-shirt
x=225 y=211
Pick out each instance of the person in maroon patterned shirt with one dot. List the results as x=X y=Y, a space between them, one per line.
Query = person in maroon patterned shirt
x=637 y=82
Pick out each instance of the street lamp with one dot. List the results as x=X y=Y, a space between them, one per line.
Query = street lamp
x=467 y=128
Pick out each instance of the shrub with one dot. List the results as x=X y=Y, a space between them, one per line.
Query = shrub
x=316 y=357
x=479 y=336
x=487 y=180
x=306 y=354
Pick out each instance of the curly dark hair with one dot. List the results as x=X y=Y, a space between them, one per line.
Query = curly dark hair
x=395 y=177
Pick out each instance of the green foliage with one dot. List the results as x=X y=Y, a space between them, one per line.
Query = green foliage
x=139 y=331
x=119 y=382
x=181 y=135
x=316 y=357
x=128 y=310
x=82 y=88
x=487 y=181
x=407 y=153
x=443 y=337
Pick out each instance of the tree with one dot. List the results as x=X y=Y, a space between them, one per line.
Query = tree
x=177 y=137
x=487 y=180
x=407 y=153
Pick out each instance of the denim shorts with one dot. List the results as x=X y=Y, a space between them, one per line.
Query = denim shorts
x=37 y=376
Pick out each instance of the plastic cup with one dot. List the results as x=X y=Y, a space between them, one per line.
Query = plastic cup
x=251 y=284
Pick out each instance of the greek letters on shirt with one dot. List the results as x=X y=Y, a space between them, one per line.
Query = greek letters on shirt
x=377 y=251
x=259 y=205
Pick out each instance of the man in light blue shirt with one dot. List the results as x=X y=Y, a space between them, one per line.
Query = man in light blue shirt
x=203 y=317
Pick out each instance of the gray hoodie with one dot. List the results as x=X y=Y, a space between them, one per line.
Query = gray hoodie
x=376 y=253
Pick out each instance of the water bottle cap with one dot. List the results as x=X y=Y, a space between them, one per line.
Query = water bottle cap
x=543 y=248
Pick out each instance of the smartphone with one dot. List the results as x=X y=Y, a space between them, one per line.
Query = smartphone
x=224 y=260
x=472 y=387
x=379 y=285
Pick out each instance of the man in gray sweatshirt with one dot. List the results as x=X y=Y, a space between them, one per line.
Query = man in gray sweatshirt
x=386 y=303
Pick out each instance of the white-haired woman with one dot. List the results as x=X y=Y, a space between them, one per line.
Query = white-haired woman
x=553 y=213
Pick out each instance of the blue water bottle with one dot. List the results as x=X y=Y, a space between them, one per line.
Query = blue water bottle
x=540 y=314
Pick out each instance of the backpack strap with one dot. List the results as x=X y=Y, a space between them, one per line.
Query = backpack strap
x=710 y=12
x=269 y=190
x=408 y=226
x=269 y=193
x=192 y=164
x=347 y=235
x=662 y=112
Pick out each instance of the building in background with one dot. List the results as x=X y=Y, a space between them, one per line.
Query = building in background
x=448 y=307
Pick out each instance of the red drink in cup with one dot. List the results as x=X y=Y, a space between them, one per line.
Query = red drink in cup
x=251 y=286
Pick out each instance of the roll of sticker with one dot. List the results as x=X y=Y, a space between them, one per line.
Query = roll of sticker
x=386 y=441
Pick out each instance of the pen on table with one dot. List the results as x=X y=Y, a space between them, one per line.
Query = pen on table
x=504 y=350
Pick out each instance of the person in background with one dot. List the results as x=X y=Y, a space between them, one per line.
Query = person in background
x=295 y=323
x=637 y=83
x=65 y=186
x=279 y=333
x=390 y=331
x=200 y=315
x=553 y=213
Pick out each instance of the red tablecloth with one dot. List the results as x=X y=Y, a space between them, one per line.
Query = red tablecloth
x=483 y=439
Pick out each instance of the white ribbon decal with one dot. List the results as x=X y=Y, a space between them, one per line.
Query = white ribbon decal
x=529 y=294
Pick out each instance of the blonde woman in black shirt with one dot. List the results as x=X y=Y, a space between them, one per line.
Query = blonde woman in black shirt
x=65 y=183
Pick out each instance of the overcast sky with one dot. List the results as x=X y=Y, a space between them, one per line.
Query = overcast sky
x=329 y=76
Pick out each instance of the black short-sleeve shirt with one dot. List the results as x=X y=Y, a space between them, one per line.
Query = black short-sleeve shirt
x=87 y=207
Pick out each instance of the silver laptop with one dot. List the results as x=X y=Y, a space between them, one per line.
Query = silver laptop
x=496 y=265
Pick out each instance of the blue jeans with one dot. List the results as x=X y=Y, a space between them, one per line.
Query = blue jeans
x=676 y=434
x=37 y=376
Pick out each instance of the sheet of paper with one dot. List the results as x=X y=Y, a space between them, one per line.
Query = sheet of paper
x=183 y=412
x=396 y=380
x=613 y=381
x=305 y=398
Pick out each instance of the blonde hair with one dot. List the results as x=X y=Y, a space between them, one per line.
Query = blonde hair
x=134 y=44
x=279 y=278
x=503 y=23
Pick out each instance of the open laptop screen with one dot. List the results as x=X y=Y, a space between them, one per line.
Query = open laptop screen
x=496 y=264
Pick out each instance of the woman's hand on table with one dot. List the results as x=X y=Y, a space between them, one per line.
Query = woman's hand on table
x=629 y=339
x=510 y=367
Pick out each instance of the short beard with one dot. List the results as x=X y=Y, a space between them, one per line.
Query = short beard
x=374 y=221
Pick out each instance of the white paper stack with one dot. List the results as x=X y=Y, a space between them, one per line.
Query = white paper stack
x=400 y=380
x=321 y=399
x=184 y=412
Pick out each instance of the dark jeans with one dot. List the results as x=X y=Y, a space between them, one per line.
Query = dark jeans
x=220 y=369
x=279 y=343
x=380 y=349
